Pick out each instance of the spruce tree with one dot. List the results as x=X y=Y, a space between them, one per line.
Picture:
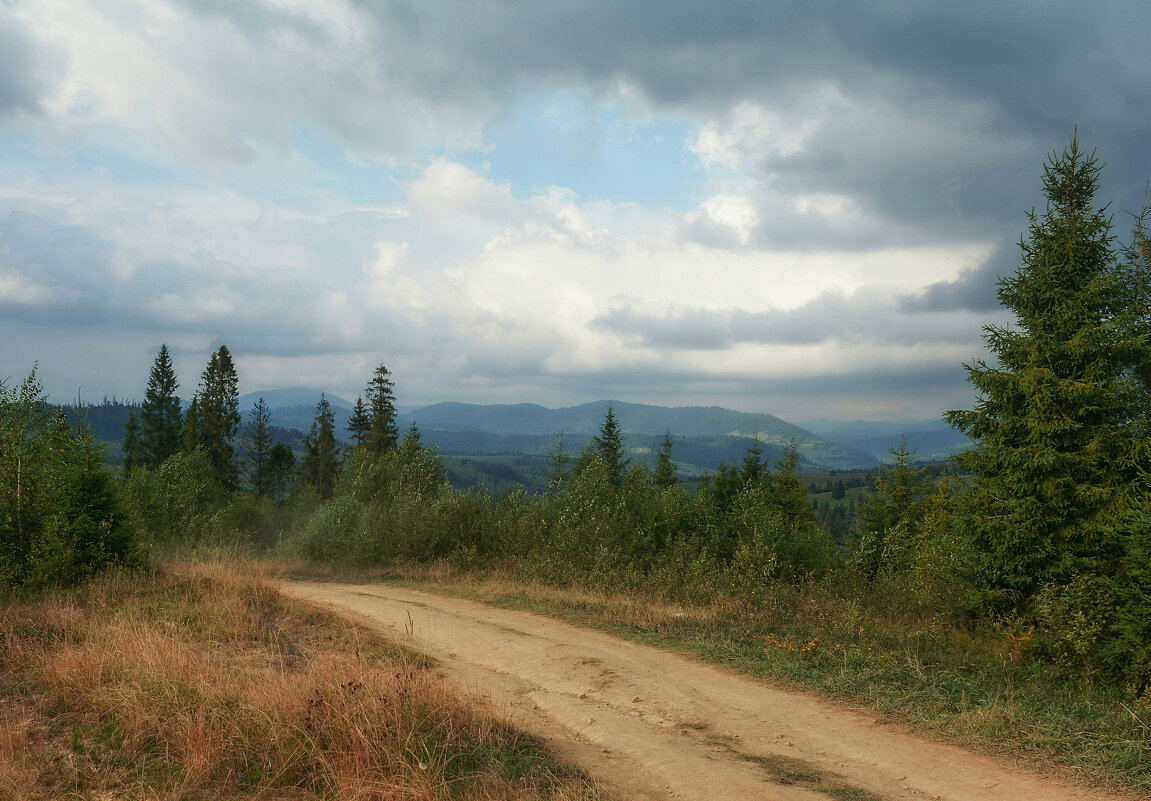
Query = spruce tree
x=1052 y=425
x=888 y=518
x=161 y=420
x=1137 y=264
x=608 y=446
x=214 y=418
x=383 y=435
x=360 y=423
x=133 y=448
x=753 y=472
x=258 y=449
x=559 y=465
x=788 y=492
x=192 y=425
x=665 y=468
x=321 y=462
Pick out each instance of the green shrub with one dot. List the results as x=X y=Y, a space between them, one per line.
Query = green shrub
x=61 y=518
x=174 y=503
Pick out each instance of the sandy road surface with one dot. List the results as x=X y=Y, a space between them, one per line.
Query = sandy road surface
x=654 y=725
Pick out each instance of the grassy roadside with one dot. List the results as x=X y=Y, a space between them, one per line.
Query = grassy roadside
x=199 y=682
x=978 y=688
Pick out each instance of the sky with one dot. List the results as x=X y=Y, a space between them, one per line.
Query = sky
x=787 y=207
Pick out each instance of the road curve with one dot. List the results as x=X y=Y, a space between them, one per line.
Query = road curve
x=655 y=725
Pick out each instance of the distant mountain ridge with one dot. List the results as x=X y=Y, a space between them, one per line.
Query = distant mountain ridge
x=931 y=440
x=636 y=418
x=512 y=427
x=296 y=407
x=531 y=428
x=286 y=398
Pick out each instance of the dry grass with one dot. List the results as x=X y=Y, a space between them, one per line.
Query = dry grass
x=202 y=682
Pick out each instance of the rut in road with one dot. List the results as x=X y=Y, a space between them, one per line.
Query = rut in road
x=654 y=725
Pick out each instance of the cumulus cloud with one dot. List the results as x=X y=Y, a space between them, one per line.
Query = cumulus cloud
x=721 y=221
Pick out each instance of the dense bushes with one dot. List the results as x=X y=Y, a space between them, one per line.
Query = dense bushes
x=396 y=506
x=61 y=518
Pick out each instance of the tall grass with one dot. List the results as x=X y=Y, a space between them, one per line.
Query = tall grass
x=201 y=682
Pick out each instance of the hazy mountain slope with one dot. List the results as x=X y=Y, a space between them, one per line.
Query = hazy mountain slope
x=505 y=428
x=296 y=408
x=932 y=440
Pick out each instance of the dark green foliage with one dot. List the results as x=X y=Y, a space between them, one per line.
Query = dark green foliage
x=279 y=468
x=258 y=450
x=608 y=446
x=161 y=421
x=214 y=418
x=321 y=463
x=752 y=470
x=60 y=515
x=192 y=425
x=89 y=529
x=1059 y=509
x=770 y=545
x=360 y=423
x=1053 y=424
x=393 y=505
x=787 y=490
x=890 y=517
x=1129 y=654
x=665 y=468
x=1137 y=274
x=383 y=434
x=133 y=450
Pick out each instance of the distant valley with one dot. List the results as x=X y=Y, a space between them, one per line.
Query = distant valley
x=703 y=436
x=505 y=444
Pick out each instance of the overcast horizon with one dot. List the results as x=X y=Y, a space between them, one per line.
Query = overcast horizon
x=770 y=207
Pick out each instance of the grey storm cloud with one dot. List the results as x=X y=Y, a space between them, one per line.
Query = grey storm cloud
x=945 y=106
x=23 y=69
x=1018 y=63
x=951 y=102
x=974 y=290
x=833 y=316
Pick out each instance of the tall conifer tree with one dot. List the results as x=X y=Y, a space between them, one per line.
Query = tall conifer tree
x=608 y=446
x=258 y=449
x=161 y=420
x=321 y=462
x=214 y=417
x=665 y=468
x=1053 y=423
x=384 y=434
x=360 y=423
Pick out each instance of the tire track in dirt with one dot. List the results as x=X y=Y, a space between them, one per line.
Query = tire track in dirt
x=655 y=725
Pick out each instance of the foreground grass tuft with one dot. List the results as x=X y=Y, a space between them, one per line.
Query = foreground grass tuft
x=200 y=682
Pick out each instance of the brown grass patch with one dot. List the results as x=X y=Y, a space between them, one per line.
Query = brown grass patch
x=202 y=681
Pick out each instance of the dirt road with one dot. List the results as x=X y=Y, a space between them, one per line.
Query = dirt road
x=653 y=725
